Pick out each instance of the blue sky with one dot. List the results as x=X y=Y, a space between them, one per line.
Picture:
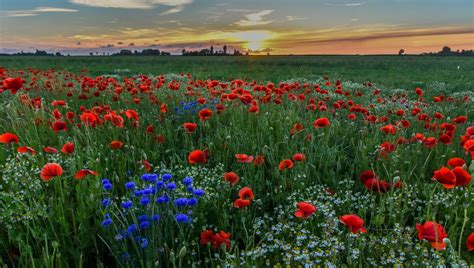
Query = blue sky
x=282 y=27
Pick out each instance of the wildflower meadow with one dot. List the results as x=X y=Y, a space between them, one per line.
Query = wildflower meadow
x=170 y=170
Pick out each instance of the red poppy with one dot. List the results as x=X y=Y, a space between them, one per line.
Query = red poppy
x=50 y=171
x=389 y=129
x=296 y=128
x=190 y=127
x=146 y=165
x=377 y=185
x=366 y=175
x=51 y=150
x=299 y=157
x=304 y=210
x=285 y=164
x=463 y=178
x=13 y=84
x=470 y=242
x=68 y=148
x=221 y=238
x=115 y=145
x=446 y=177
x=205 y=114
x=241 y=203
x=232 y=178
x=58 y=103
x=243 y=158
x=456 y=162
x=433 y=233
x=321 y=122
x=460 y=119
x=206 y=237
x=25 y=149
x=84 y=172
x=132 y=114
x=163 y=108
x=259 y=160
x=419 y=92
x=197 y=157
x=59 y=125
x=246 y=193
x=9 y=138
x=353 y=222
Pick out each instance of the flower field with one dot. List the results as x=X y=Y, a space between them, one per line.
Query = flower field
x=175 y=171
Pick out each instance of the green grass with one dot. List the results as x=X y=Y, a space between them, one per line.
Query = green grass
x=391 y=71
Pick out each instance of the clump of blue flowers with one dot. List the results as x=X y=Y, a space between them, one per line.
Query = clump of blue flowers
x=193 y=107
x=148 y=212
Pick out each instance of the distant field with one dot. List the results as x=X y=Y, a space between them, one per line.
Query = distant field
x=389 y=71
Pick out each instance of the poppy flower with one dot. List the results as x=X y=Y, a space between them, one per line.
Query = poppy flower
x=59 y=125
x=389 y=129
x=366 y=175
x=206 y=237
x=259 y=160
x=68 y=148
x=446 y=177
x=353 y=222
x=296 y=128
x=221 y=238
x=232 y=178
x=299 y=157
x=50 y=150
x=84 y=172
x=246 y=193
x=197 y=157
x=163 y=108
x=285 y=164
x=205 y=114
x=304 y=210
x=115 y=145
x=460 y=119
x=190 y=127
x=25 y=149
x=50 y=171
x=241 y=203
x=463 y=178
x=456 y=162
x=433 y=233
x=13 y=84
x=321 y=122
x=146 y=165
x=243 y=158
x=9 y=138
x=470 y=242
x=377 y=185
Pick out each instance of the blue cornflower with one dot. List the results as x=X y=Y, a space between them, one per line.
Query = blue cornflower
x=106 y=202
x=162 y=199
x=160 y=185
x=171 y=186
x=155 y=218
x=104 y=181
x=148 y=191
x=144 y=201
x=190 y=189
x=143 y=217
x=182 y=218
x=199 y=192
x=188 y=181
x=107 y=186
x=107 y=221
x=192 y=201
x=137 y=193
x=144 y=243
x=149 y=177
x=144 y=225
x=132 y=228
x=129 y=185
x=127 y=204
x=166 y=177
x=181 y=202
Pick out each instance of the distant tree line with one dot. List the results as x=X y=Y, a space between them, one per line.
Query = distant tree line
x=211 y=52
x=445 y=51
x=145 y=52
x=36 y=53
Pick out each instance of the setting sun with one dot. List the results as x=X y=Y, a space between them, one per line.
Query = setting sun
x=252 y=40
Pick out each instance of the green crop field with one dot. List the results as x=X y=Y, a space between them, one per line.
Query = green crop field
x=305 y=161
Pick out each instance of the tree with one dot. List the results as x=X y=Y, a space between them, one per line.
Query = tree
x=225 y=49
x=212 y=50
x=401 y=52
x=446 y=50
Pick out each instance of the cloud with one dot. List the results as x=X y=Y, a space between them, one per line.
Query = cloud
x=255 y=19
x=291 y=18
x=173 y=10
x=346 y=4
x=36 y=11
x=132 y=4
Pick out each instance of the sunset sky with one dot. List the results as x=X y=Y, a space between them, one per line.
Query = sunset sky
x=275 y=26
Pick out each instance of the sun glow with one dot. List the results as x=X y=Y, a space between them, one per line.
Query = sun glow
x=252 y=40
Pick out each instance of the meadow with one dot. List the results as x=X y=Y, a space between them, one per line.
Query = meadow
x=352 y=161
